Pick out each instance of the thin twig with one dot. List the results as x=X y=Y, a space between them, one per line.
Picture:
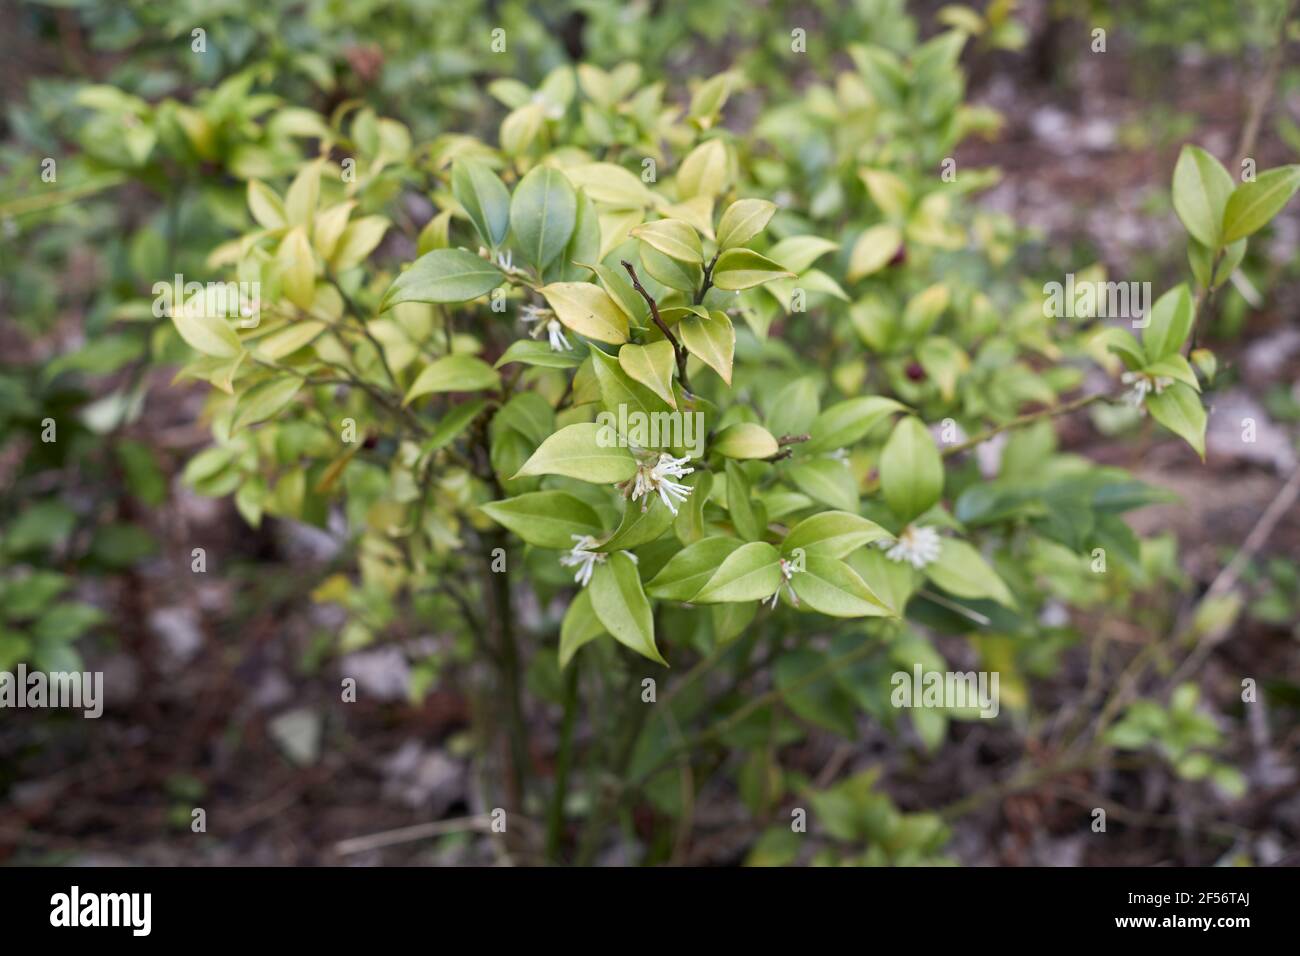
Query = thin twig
x=678 y=350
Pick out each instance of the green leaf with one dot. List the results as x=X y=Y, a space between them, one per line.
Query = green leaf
x=652 y=365
x=911 y=471
x=1175 y=367
x=690 y=569
x=452 y=424
x=543 y=212
x=826 y=480
x=303 y=195
x=621 y=605
x=44 y=524
x=1201 y=190
x=267 y=208
x=797 y=253
x=743 y=220
x=639 y=526
x=845 y=423
x=263 y=401
x=576 y=452
x=444 y=275
x=453 y=373
x=673 y=237
x=745 y=440
x=689 y=524
x=739 y=505
x=738 y=269
x=297 y=267
x=750 y=573
x=531 y=352
x=27 y=596
x=962 y=571
x=1171 y=323
x=711 y=340
x=831 y=587
x=1252 y=205
x=617 y=389
x=587 y=309
x=1179 y=409
x=545 y=519
x=682 y=276
x=580 y=626
x=832 y=533
x=873 y=250
x=791 y=410
x=358 y=241
x=485 y=198
x=206 y=333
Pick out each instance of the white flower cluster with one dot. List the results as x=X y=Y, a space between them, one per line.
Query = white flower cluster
x=656 y=476
x=548 y=323
x=916 y=546
x=581 y=556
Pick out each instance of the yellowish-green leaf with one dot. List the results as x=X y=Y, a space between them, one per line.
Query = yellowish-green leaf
x=743 y=220
x=453 y=373
x=579 y=451
x=738 y=269
x=587 y=309
x=673 y=238
x=652 y=365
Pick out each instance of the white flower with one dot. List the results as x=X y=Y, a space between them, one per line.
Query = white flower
x=555 y=332
x=787 y=572
x=916 y=545
x=581 y=557
x=505 y=258
x=656 y=477
x=546 y=322
x=1143 y=385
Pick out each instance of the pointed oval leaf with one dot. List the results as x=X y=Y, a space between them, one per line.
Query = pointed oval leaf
x=454 y=373
x=1171 y=323
x=831 y=587
x=750 y=573
x=652 y=365
x=545 y=519
x=587 y=309
x=1201 y=190
x=578 y=451
x=580 y=626
x=911 y=470
x=738 y=269
x=622 y=607
x=673 y=238
x=961 y=570
x=484 y=197
x=444 y=275
x=1179 y=409
x=832 y=533
x=743 y=220
x=711 y=340
x=691 y=568
x=1252 y=205
x=543 y=212
x=745 y=440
